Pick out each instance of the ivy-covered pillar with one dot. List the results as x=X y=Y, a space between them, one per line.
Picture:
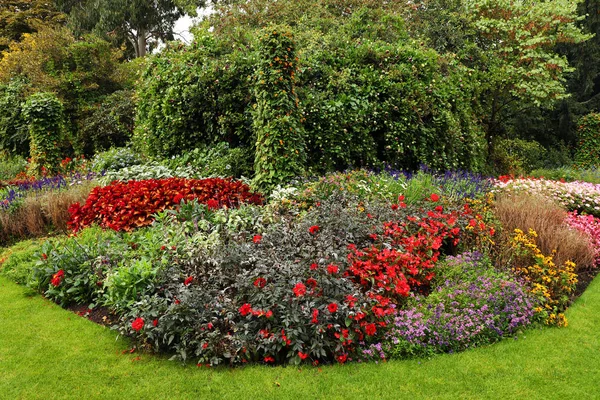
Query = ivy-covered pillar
x=280 y=147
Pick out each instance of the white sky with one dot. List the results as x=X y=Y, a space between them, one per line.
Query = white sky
x=183 y=24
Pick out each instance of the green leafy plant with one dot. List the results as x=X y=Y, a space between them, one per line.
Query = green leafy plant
x=588 y=151
x=280 y=149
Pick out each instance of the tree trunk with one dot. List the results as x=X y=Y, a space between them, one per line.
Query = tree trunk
x=141 y=43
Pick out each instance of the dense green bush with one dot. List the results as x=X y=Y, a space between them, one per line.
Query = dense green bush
x=215 y=160
x=196 y=95
x=366 y=99
x=517 y=156
x=14 y=134
x=107 y=124
x=588 y=152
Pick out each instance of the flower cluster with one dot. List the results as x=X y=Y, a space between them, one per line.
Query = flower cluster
x=125 y=206
x=552 y=284
x=589 y=225
x=580 y=196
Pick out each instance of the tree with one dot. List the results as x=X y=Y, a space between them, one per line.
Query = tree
x=141 y=23
x=19 y=17
x=510 y=47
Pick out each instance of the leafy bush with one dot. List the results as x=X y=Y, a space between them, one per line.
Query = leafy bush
x=108 y=123
x=10 y=167
x=219 y=160
x=195 y=95
x=518 y=156
x=115 y=159
x=568 y=174
x=588 y=153
x=17 y=262
x=14 y=132
x=141 y=172
x=125 y=206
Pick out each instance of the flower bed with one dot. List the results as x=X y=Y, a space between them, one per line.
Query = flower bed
x=125 y=206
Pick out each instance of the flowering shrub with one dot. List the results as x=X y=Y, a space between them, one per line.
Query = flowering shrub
x=552 y=284
x=467 y=309
x=589 y=225
x=282 y=297
x=125 y=206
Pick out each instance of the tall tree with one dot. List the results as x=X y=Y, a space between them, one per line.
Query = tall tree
x=141 y=23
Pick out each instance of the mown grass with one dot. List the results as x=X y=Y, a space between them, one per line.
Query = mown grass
x=49 y=353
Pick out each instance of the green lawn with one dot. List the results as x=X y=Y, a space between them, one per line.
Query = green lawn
x=47 y=352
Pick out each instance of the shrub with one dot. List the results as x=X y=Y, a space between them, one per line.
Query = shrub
x=219 y=160
x=125 y=206
x=588 y=153
x=11 y=167
x=142 y=172
x=550 y=282
x=14 y=133
x=518 y=156
x=195 y=95
x=115 y=159
x=17 y=262
x=44 y=115
x=108 y=123
x=525 y=212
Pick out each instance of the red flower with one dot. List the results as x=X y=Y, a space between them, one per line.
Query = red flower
x=299 y=289
x=370 y=329
x=401 y=198
x=311 y=283
x=44 y=256
x=332 y=307
x=245 y=309
x=163 y=248
x=204 y=345
x=473 y=223
x=212 y=204
x=260 y=282
x=434 y=197
x=188 y=280
x=155 y=322
x=332 y=269
x=315 y=314
x=177 y=301
x=394 y=207
x=314 y=266
x=303 y=356
x=269 y=314
x=342 y=358
x=137 y=324
x=57 y=278
x=257 y=238
x=313 y=229
x=269 y=359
